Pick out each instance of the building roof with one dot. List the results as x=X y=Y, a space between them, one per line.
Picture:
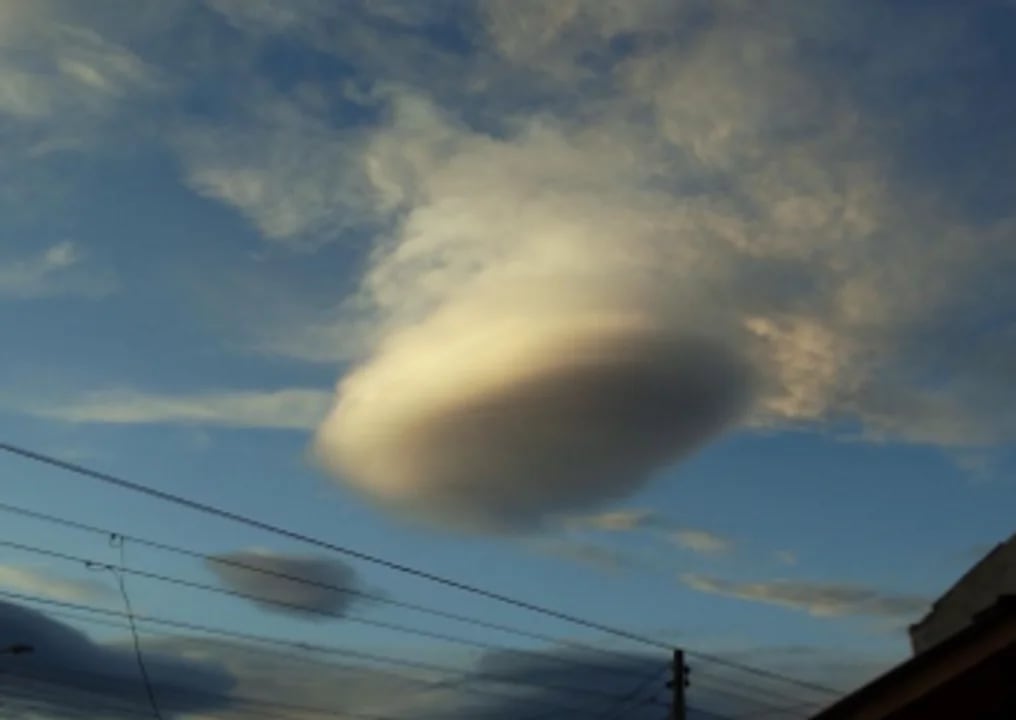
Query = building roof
x=965 y=577
x=969 y=670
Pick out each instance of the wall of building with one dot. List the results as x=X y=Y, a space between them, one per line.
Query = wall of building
x=978 y=590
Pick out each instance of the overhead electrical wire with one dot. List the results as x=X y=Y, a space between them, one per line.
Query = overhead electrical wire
x=180 y=582
x=242 y=519
x=631 y=699
x=353 y=592
x=83 y=677
x=447 y=670
x=737 y=688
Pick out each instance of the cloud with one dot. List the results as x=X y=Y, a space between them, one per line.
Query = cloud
x=298 y=586
x=290 y=409
x=786 y=557
x=599 y=557
x=495 y=423
x=61 y=80
x=617 y=520
x=500 y=684
x=649 y=196
x=35 y=581
x=701 y=541
x=689 y=242
x=57 y=270
x=69 y=673
x=818 y=599
x=285 y=168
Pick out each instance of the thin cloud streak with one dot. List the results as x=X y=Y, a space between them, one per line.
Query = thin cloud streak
x=289 y=409
x=56 y=271
x=817 y=599
x=37 y=581
x=701 y=542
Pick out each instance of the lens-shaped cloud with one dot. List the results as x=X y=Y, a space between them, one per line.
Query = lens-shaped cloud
x=492 y=421
x=304 y=587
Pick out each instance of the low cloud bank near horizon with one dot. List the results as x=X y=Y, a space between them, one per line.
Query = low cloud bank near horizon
x=67 y=672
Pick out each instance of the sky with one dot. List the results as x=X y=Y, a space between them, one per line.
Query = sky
x=689 y=318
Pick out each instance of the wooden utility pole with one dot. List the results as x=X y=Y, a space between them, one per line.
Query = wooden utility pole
x=678 y=683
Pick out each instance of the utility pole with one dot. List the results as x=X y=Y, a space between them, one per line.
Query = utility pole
x=678 y=683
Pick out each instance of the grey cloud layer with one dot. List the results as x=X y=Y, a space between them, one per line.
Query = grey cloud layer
x=71 y=674
x=67 y=672
x=305 y=587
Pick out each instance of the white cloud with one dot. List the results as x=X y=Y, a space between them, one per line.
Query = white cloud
x=35 y=581
x=759 y=207
x=60 y=80
x=285 y=168
x=616 y=520
x=702 y=542
x=818 y=599
x=625 y=195
x=57 y=270
x=290 y=409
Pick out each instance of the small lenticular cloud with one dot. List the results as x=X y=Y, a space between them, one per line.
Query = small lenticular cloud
x=305 y=587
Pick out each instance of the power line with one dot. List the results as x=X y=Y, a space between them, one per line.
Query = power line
x=758 y=706
x=138 y=655
x=310 y=540
x=374 y=597
x=257 y=702
x=424 y=685
x=721 y=685
x=770 y=674
x=239 y=701
x=21 y=699
x=485 y=677
x=258 y=598
x=614 y=712
x=382 y=562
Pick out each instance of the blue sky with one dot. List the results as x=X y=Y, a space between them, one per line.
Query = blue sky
x=691 y=318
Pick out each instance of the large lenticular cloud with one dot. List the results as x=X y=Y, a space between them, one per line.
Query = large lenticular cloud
x=507 y=421
x=538 y=350
x=578 y=283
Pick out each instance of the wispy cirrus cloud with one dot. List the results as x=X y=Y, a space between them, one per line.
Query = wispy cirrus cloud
x=662 y=528
x=61 y=81
x=598 y=556
x=58 y=270
x=701 y=542
x=627 y=520
x=818 y=599
x=287 y=409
